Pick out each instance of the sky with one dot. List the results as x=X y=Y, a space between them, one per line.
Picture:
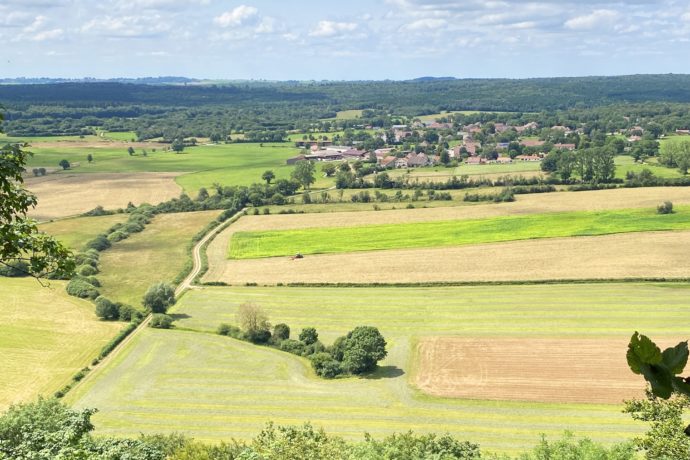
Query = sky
x=343 y=39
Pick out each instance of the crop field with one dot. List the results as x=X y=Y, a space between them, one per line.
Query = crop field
x=619 y=256
x=63 y=195
x=223 y=388
x=159 y=253
x=77 y=231
x=250 y=245
x=45 y=338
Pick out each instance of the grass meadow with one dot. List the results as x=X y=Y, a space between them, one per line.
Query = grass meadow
x=248 y=245
x=46 y=336
x=159 y=253
x=192 y=381
x=77 y=231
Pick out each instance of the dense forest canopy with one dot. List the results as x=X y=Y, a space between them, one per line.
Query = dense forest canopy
x=204 y=109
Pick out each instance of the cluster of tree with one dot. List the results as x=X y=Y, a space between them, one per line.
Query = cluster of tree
x=676 y=155
x=589 y=165
x=356 y=353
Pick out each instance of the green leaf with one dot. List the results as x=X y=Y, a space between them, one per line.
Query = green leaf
x=680 y=385
x=660 y=380
x=642 y=351
x=676 y=358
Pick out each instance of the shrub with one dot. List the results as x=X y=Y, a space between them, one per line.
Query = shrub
x=80 y=287
x=128 y=312
x=100 y=243
x=98 y=211
x=325 y=366
x=161 y=321
x=281 y=332
x=86 y=270
x=665 y=208
x=86 y=259
x=159 y=297
x=14 y=269
x=258 y=336
x=229 y=330
x=116 y=236
x=133 y=227
x=308 y=335
x=107 y=310
x=293 y=346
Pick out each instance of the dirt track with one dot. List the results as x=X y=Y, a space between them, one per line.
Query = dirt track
x=534 y=369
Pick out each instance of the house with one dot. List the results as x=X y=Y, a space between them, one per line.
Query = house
x=528 y=158
x=401 y=135
x=388 y=162
x=529 y=126
x=564 y=146
x=503 y=145
x=471 y=147
x=418 y=160
x=354 y=154
x=401 y=162
x=293 y=160
x=476 y=161
x=337 y=148
x=634 y=139
x=504 y=160
x=501 y=127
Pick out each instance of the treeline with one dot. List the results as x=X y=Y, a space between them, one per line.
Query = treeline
x=204 y=110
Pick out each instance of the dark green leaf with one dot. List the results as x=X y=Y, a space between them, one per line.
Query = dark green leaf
x=676 y=358
x=642 y=351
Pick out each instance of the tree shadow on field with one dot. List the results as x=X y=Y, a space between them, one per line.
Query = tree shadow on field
x=179 y=316
x=385 y=372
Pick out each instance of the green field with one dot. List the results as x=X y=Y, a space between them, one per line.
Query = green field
x=625 y=164
x=77 y=231
x=159 y=253
x=214 y=388
x=46 y=336
x=251 y=245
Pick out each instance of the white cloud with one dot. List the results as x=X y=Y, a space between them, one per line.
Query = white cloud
x=53 y=34
x=266 y=26
x=331 y=28
x=128 y=26
x=38 y=23
x=424 y=24
x=597 y=18
x=237 y=16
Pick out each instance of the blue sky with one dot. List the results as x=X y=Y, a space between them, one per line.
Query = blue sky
x=342 y=40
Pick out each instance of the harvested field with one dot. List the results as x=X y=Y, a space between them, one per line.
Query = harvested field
x=627 y=255
x=77 y=231
x=559 y=370
x=63 y=195
x=46 y=336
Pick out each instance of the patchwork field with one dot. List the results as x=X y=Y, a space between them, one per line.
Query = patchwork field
x=45 y=338
x=213 y=387
x=77 y=231
x=619 y=256
x=251 y=245
x=68 y=194
x=159 y=253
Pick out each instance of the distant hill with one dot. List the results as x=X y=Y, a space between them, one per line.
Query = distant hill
x=141 y=81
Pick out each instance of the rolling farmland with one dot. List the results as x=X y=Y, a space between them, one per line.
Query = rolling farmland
x=224 y=388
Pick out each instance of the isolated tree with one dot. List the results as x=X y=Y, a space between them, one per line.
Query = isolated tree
x=64 y=164
x=304 y=173
x=20 y=239
x=178 y=146
x=281 y=332
x=89 y=158
x=363 y=348
x=328 y=169
x=268 y=176
x=159 y=297
x=130 y=150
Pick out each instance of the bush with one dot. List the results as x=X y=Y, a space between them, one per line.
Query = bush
x=128 y=313
x=325 y=366
x=159 y=297
x=86 y=270
x=84 y=258
x=100 y=243
x=116 y=236
x=107 y=310
x=161 y=321
x=14 y=269
x=258 y=336
x=132 y=227
x=229 y=330
x=293 y=346
x=80 y=287
x=281 y=332
x=665 y=208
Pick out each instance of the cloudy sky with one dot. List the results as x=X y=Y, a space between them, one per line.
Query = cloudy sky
x=343 y=39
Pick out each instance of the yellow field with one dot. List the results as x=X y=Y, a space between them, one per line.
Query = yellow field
x=46 y=336
x=63 y=195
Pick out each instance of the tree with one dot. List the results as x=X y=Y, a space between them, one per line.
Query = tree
x=89 y=158
x=21 y=240
x=281 y=332
x=268 y=176
x=308 y=335
x=445 y=157
x=328 y=169
x=304 y=173
x=105 y=309
x=254 y=322
x=363 y=348
x=159 y=297
x=178 y=146
x=130 y=150
x=161 y=321
x=64 y=164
